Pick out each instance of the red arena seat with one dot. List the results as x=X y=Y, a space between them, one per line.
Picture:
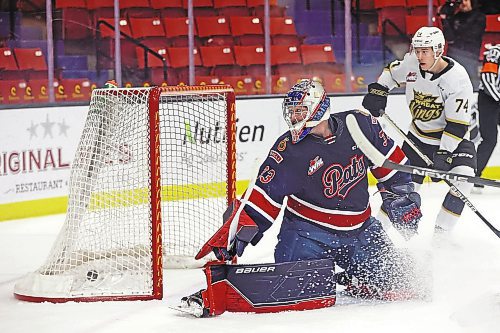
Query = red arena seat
x=7 y=60
x=492 y=23
x=152 y=60
x=217 y=55
x=215 y=30
x=230 y=8
x=176 y=30
x=179 y=57
x=146 y=27
x=107 y=32
x=317 y=53
x=415 y=22
x=30 y=59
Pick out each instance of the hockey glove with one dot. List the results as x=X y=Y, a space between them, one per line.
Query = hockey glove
x=402 y=205
x=376 y=99
x=230 y=240
x=442 y=160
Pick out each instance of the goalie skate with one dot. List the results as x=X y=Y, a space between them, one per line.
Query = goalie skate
x=192 y=305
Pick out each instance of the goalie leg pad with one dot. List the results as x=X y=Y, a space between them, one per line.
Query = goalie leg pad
x=267 y=288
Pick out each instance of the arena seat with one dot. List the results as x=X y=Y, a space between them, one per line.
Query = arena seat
x=247 y=30
x=152 y=60
x=136 y=8
x=101 y=8
x=179 y=57
x=146 y=28
x=283 y=31
x=252 y=58
x=106 y=32
x=7 y=60
x=202 y=8
x=230 y=8
x=162 y=4
x=257 y=7
x=415 y=22
x=419 y=7
x=249 y=55
x=169 y=8
x=220 y=59
x=214 y=30
x=176 y=30
x=492 y=23
x=286 y=59
x=76 y=19
x=391 y=11
x=31 y=60
x=317 y=53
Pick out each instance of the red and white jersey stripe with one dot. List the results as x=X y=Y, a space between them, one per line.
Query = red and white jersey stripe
x=395 y=155
x=330 y=218
x=263 y=204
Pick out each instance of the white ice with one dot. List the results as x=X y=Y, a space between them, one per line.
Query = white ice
x=466 y=296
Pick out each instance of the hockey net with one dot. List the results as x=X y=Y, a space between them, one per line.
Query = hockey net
x=152 y=163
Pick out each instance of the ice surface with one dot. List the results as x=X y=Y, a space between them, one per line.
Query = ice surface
x=466 y=296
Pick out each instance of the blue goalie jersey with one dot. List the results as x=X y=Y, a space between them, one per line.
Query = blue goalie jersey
x=325 y=180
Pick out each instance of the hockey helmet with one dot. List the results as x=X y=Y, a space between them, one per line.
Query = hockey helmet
x=429 y=37
x=305 y=106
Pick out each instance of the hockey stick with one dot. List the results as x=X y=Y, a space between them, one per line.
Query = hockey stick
x=428 y=161
x=380 y=160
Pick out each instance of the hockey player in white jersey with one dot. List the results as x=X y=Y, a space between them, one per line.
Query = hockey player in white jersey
x=439 y=96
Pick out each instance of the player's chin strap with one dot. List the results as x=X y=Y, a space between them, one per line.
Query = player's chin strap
x=427 y=161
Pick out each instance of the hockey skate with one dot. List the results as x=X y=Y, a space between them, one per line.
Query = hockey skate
x=193 y=305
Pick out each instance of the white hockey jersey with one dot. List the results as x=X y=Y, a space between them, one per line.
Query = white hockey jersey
x=439 y=103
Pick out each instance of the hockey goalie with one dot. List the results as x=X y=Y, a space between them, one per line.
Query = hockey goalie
x=327 y=219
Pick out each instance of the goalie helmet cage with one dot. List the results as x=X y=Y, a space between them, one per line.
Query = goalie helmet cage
x=149 y=159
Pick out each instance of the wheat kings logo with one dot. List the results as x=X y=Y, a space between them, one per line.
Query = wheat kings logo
x=424 y=107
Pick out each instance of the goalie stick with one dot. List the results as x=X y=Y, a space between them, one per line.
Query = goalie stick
x=381 y=161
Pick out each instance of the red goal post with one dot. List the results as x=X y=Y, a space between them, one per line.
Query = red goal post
x=153 y=173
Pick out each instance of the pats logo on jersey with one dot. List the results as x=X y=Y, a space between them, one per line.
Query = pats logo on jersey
x=339 y=180
x=314 y=165
x=424 y=107
x=411 y=77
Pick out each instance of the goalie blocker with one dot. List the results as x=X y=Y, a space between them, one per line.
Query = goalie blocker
x=266 y=288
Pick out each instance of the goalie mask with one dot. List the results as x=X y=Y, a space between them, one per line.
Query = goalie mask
x=304 y=107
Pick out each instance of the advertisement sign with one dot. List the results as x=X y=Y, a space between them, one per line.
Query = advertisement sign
x=36 y=149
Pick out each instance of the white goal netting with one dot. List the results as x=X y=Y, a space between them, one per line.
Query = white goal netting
x=148 y=159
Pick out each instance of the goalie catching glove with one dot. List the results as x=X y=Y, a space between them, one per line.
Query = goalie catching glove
x=402 y=205
x=230 y=240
